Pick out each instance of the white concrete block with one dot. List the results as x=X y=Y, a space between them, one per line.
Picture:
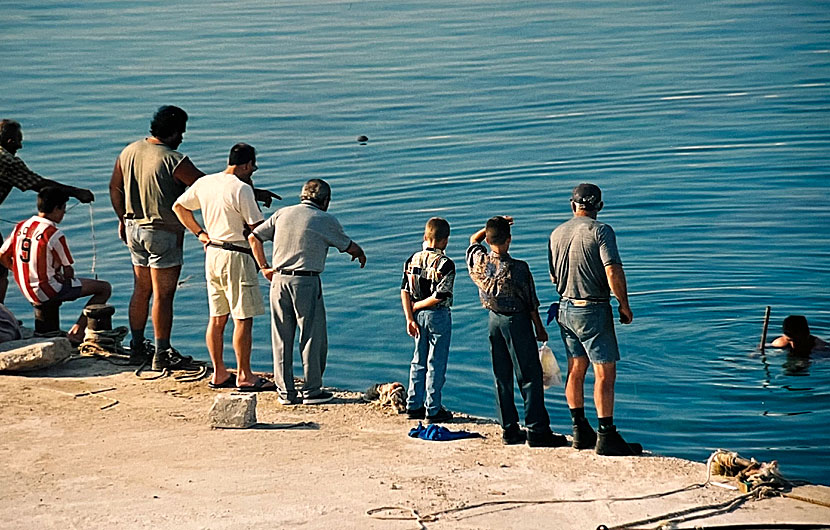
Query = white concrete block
x=234 y=411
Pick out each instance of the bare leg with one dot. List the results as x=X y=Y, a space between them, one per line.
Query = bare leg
x=140 y=301
x=164 y=282
x=242 y=346
x=575 y=386
x=4 y=286
x=100 y=291
x=215 y=345
x=606 y=376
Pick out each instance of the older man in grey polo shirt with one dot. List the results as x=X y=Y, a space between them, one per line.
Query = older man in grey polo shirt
x=301 y=236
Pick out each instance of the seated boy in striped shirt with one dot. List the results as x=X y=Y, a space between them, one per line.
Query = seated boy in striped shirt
x=38 y=255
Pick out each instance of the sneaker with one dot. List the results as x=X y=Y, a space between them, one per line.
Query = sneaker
x=612 y=444
x=170 y=358
x=547 y=439
x=296 y=400
x=584 y=436
x=322 y=397
x=513 y=436
x=416 y=414
x=142 y=353
x=443 y=415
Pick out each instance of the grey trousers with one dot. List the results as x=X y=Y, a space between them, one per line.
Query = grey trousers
x=297 y=302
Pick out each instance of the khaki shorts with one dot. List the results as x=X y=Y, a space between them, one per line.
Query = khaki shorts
x=232 y=284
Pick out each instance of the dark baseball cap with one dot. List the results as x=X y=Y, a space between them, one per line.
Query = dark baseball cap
x=588 y=195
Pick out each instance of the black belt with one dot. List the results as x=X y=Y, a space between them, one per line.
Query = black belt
x=230 y=246
x=285 y=272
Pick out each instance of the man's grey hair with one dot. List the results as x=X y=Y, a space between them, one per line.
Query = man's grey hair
x=317 y=191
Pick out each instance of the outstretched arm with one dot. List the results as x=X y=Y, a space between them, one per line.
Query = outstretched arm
x=356 y=253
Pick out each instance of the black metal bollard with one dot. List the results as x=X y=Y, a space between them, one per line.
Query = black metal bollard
x=99 y=317
x=47 y=317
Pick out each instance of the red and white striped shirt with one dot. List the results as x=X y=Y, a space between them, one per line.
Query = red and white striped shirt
x=38 y=249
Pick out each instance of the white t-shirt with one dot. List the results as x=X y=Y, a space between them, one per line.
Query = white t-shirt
x=227 y=204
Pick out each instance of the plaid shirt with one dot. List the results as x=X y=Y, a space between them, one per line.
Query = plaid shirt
x=505 y=285
x=15 y=174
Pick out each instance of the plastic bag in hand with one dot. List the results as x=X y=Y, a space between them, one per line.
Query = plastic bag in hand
x=551 y=375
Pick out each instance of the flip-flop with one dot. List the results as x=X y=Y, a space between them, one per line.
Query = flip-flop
x=261 y=385
x=230 y=382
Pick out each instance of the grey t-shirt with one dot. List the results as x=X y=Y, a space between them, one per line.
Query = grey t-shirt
x=578 y=252
x=302 y=235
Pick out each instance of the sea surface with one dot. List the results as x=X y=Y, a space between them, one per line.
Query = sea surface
x=707 y=125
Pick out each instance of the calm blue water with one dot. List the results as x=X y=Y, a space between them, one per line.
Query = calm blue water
x=706 y=124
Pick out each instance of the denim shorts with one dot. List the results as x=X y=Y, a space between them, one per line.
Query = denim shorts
x=589 y=330
x=154 y=247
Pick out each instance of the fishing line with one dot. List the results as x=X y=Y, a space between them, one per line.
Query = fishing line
x=94 y=247
x=692 y=289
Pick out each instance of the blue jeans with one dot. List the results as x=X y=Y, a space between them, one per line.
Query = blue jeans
x=427 y=372
x=589 y=330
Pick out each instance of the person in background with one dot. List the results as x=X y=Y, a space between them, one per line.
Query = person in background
x=38 y=254
x=506 y=289
x=426 y=297
x=230 y=212
x=301 y=236
x=585 y=266
x=15 y=174
x=797 y=338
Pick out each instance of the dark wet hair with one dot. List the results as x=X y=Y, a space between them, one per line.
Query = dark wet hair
x=241 y=153
x=50 y=198
x=168 y=121
x=8 y=128
x=796 y=327
x=437 y=228
x=497 y=230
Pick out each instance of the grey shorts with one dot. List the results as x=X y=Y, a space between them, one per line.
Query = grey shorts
x=588 y=330
x=154 y=247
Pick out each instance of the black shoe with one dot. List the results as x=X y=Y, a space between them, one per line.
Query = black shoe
x=443 y=415
x=513 y=436
x=612 y=444
x=546 y=439
x=142 y=353
x=170 y=358
x=416 y=414
x=584 y=436
x=316 y=399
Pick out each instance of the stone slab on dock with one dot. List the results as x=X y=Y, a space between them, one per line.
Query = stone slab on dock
x=233 y=411
x=33 y=354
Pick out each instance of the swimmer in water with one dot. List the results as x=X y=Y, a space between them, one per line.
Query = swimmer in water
x=797 y=337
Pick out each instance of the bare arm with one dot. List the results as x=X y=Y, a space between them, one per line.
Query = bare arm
x=117 y=198
x=426 y=303
x=189 y=221
x=478 y=237
x=6 y=259
x=356 y=253
x=617 y=283
x=408 y=311
x=259 y=255
x=187 y=173
x=541 y=332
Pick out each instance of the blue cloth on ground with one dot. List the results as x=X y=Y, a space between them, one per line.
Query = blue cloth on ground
x=438 y=433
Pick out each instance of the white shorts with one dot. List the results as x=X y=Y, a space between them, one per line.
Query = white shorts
x=232 y=284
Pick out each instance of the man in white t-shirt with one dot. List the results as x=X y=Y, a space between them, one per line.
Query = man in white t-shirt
x=229 y=212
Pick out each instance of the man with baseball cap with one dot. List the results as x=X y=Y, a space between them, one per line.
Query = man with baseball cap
x=586 y=268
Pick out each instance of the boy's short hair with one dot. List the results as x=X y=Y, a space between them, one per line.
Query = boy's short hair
x=497 y=230
x=50 y=198
x=240 y=154
x=437 y=229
